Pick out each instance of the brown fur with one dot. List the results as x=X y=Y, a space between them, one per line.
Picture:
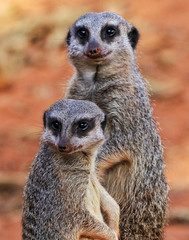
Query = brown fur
x=102 y=49
x=63 y=198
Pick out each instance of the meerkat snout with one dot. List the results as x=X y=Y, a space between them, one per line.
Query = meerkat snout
x=64 y=145
x=94 y=50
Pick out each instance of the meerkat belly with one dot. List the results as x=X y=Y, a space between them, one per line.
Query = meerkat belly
x=93 y=200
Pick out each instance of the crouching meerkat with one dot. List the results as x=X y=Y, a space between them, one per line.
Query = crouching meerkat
x=130 y=163
x=63 y=197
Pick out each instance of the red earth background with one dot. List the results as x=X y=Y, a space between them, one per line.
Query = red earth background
x=34 y=72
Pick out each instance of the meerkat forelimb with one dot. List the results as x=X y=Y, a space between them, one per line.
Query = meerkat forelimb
x=63 y=199
x=130 y=163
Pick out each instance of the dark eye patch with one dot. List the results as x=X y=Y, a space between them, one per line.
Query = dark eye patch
x=82 y=34
x=83 y=127
x=55 y=125
x=109 y=32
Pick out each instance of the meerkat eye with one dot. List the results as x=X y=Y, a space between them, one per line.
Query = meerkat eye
x=83 y=33
x=83 y=126
x=55 y=125
x=110 y=31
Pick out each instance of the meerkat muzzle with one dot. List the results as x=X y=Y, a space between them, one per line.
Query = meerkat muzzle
x=94 y=50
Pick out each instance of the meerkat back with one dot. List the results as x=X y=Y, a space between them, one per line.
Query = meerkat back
x=130 y=163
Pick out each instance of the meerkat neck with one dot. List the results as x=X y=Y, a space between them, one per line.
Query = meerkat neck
x=87 y=72
x=78 y=161
x=96 y=73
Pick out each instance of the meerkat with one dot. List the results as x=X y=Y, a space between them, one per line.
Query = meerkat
x=130 y=164
x=63 y=198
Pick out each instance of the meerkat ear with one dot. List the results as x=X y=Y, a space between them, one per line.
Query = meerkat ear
x=44 y=118
x=133 y=36
x=68 y=38
x=103 y=123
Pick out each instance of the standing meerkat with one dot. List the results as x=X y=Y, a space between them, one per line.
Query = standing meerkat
x=130 y=163
x=63 y=197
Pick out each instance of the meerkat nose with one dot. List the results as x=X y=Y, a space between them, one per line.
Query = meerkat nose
x=63 y=145
x=62 y=148
x=94 y=50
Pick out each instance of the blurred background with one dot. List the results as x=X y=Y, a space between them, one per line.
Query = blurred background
x=34 y=71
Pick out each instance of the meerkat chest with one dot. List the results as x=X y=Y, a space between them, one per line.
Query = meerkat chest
x=89 y=74
x=93 y=199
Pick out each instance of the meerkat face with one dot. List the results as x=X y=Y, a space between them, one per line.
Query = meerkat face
x=97 y=38
x=72 y=126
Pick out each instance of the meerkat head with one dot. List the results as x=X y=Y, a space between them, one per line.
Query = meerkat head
x=97 y=38
x=73 y=125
